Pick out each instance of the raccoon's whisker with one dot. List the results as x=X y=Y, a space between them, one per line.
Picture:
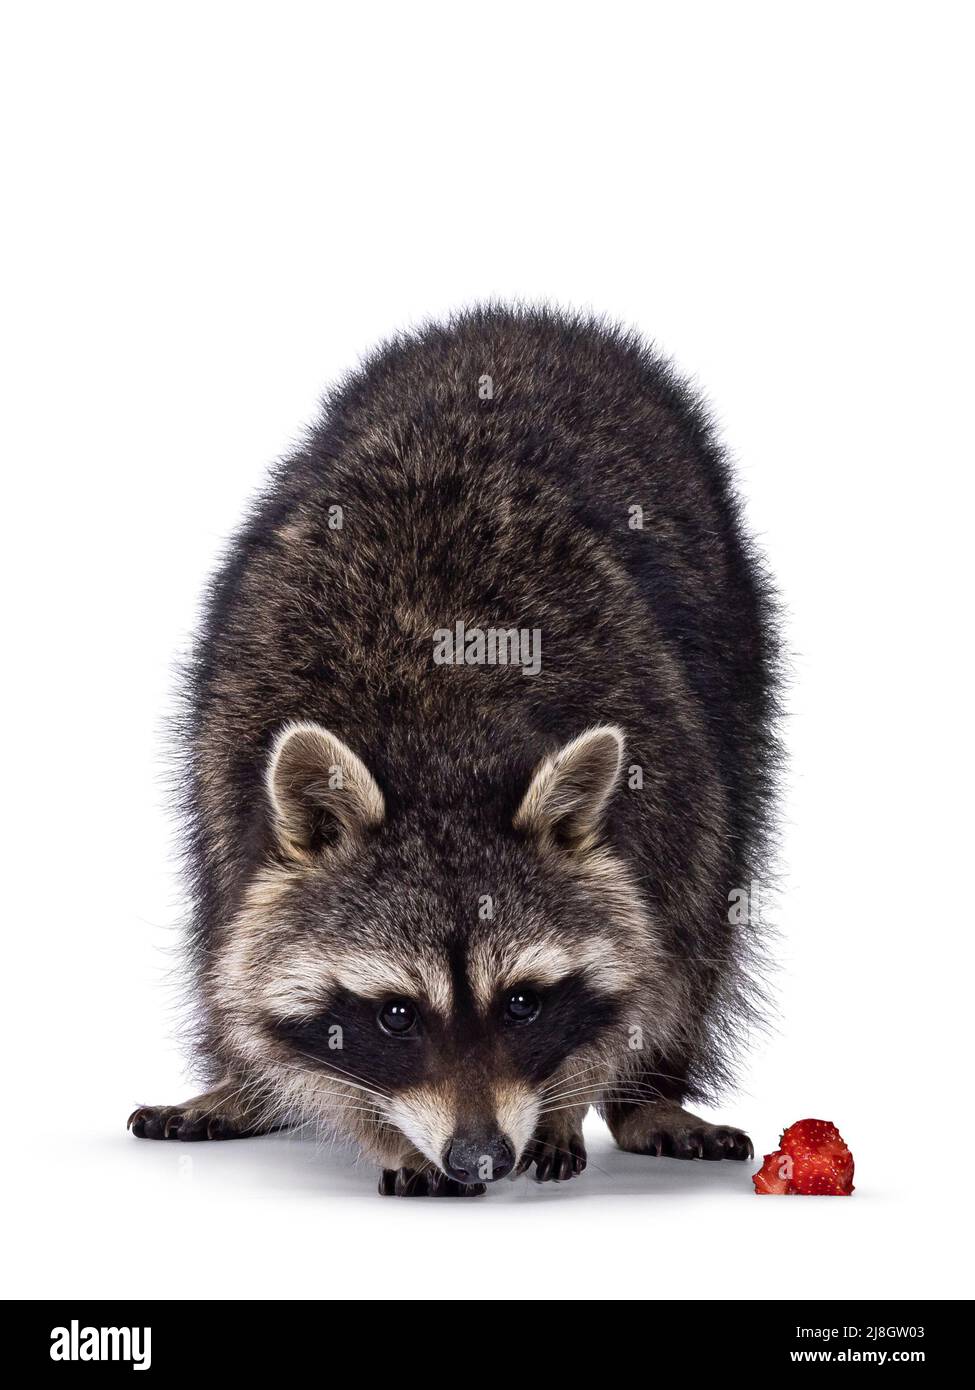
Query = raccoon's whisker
x=580 y=1080
x=340 y=1099
x=572 y=1090
x=580 y=1071
x=597 y=1100
x=576 y=1102
x=361 y=1090
x=630 y=1083
x=552 y=1109
x=322 y=1115
x=641 y=1078
x=663 y=1076
x=359 y=1102
x=344 y=1096
x=333 y=1066
x=600 y=1067
x=577 y=1091
x=602 y=1089
x=249 y=1088
x=346 y=1078
x=600 y=1096
x=573 y=1076
x=332 y=1109
x=351 y=1110
x=649 y=1094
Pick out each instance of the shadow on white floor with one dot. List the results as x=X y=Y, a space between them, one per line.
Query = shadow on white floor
x=294 y=1163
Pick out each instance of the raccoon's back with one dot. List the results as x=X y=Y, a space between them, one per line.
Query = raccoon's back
x=515 y=470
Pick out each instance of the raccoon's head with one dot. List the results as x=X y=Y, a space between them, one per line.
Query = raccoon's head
x=433 y=983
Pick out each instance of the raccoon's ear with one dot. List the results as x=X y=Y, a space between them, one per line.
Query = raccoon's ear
x=320 y=791
x=565 y=802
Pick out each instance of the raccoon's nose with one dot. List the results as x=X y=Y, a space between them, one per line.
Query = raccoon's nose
x=479 y=1160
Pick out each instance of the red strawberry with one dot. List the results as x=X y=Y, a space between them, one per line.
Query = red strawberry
x=812 y=1161
x=817 y=1175
x=810 y=1136
x=772 y=1179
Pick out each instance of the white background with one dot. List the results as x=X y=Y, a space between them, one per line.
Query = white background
x=211 y=211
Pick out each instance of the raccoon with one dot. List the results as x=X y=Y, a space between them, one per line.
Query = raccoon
x=477 y=747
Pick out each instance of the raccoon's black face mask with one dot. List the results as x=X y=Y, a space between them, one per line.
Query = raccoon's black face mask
x=436 y=1001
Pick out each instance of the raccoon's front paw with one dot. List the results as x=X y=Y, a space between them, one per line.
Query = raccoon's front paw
x=668 y=1131
x=424 y=1182
x=187 y=1122
x=557 y=1157
x=707 y=1141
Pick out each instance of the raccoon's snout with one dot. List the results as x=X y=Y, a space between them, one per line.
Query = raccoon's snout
x=470 y=1160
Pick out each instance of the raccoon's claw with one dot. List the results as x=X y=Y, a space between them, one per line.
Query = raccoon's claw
x=426 y=1182
x=710 y=1142
x=666 y=1130
x=179 y=1122
x=554 y=1163
x=730 y=1143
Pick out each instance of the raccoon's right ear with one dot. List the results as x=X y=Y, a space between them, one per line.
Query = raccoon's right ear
x=320 y=792
x=565 y=801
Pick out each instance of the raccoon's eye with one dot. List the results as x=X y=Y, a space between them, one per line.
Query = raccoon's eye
x=397 y=1016
x=522 y=1006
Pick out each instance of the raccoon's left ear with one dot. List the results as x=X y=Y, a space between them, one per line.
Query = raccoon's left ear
x=565 y=802
x=321 y=793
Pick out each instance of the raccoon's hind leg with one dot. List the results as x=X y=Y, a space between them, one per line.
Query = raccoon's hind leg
x=229 y=1111
x=557 y=1147
x=665 y=1129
